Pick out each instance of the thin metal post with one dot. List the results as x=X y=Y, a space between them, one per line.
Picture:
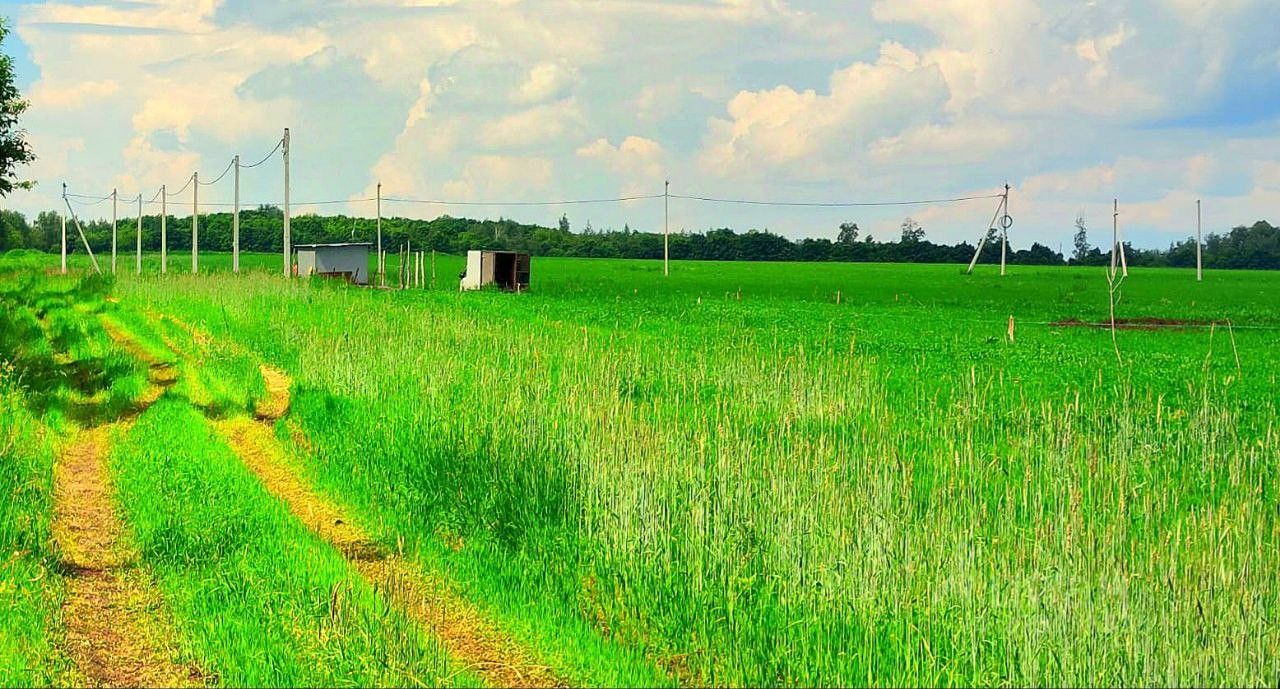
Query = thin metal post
x=235 y=220
x=666 y=228
x=288 y=240
x=139 y=244
x=195 y=223
x=381 y=268
x=114 y=198
x=164 y=230
x=1199 y=263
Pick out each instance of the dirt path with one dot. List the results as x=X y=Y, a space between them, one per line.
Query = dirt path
x=276 y=403
x=116 y=634
x=465 y=633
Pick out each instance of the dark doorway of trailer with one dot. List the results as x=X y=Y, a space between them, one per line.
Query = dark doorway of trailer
x=504 y=270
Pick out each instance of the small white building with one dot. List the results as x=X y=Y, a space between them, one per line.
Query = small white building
x=509 y=270
x=347 y=260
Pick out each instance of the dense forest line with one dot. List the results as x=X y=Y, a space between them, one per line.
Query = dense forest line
x=1256 y=246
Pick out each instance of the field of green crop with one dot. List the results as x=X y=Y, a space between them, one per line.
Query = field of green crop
x=743 y=474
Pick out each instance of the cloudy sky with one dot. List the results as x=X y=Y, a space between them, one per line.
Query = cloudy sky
x=1073 y=102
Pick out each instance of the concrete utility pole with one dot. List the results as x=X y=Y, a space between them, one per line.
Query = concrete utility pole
x=114 y=198
x=64 y=243
x=1199 y=264
x=235 y=220
x=195 y=223
x=164 y=231
x=1004 y=228
x=381 y=268
x=139 y=246
x=666 y=228
x=1117 y=244
x=288 y=240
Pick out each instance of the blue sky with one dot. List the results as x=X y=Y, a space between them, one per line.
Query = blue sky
x=1073 y=103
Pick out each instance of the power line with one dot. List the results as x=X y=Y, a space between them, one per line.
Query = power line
x=571 y=202
x=821 y=204
x=224 y=173
x=184 y=187
x=268 y=156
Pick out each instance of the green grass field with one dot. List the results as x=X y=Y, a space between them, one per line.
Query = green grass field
x=743 y=474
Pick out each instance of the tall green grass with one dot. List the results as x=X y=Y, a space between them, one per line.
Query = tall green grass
x=29 y=593
x=774 y=489
x=58 y=369
x=259 y=600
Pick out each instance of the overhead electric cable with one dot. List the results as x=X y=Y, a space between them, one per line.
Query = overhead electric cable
x=822 y=204
x=268 y=156
x=224 y=173
x=570 y=202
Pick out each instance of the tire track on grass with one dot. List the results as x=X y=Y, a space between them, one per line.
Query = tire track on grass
x=465 y=633
x=114 y=618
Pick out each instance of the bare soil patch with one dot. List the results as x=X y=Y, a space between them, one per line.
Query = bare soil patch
x=113 y=616
x=276 y=403
x=1133 y=324
x=463 y=630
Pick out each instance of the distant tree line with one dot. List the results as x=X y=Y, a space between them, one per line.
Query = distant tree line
x=1256 y=246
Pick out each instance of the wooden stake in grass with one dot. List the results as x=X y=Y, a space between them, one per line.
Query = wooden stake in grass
x=1010 y=328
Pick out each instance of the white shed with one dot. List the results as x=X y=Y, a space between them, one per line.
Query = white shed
x=348 y=260
x=509 y=270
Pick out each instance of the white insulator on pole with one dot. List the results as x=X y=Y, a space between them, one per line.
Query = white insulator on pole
x=195 y=223
x=288 y=240
x=235 y=221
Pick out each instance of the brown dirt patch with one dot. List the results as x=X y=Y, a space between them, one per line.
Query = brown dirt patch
x=160 y=373
x=1132 y=324
x=112 y=613
x=464 y=631
x=276 y=403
